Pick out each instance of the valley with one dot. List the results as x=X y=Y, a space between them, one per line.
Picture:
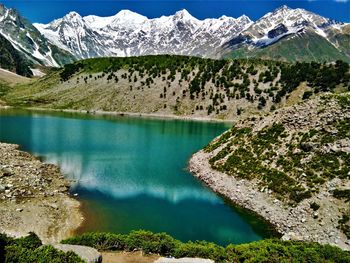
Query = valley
x=222 y=139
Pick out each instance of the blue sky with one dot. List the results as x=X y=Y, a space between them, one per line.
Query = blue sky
x=45 y=11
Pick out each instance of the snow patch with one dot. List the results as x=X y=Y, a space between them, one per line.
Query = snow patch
x=37 y=72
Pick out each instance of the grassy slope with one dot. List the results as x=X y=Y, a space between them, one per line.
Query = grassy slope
x=172 y=85
x=305 y=47
x=8 y=80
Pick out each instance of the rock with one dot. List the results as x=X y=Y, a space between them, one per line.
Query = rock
x=54 y=206
x=306 y=147
x=89 y=254
x=183 y=260
x=5 y=172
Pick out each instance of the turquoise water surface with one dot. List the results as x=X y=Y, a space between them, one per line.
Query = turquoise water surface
x=131 y=173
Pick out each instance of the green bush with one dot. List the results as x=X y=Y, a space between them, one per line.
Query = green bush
x=44 y=254
x=146 y=241
x=29 y=249
x=31 y=242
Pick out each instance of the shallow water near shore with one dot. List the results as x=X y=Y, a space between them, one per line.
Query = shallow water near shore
x=131 y=173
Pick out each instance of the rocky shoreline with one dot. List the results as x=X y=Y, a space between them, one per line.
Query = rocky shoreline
x=34 y=197
x=293 y=223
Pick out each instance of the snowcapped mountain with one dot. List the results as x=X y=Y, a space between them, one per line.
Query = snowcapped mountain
x=283 y=34
x=286 y=23
x=131 y=34
x=25 y=38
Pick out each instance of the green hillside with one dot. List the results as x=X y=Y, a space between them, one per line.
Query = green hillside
x=179 y=85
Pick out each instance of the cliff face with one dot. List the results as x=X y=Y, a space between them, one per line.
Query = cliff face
x=293 y=166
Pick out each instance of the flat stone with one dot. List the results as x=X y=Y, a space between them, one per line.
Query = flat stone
x=89 y=254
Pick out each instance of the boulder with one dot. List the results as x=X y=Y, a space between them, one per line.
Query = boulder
x=88 y=254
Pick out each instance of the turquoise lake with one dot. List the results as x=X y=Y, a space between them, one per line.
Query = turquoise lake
x=131 y=173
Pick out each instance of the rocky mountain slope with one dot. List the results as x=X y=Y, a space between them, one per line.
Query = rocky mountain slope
x=180 y=86
x=307 y=36
x=28 y=41
x=291 y=166
x=13 y=60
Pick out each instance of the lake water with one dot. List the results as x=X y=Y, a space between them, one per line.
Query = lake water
x=131 y=173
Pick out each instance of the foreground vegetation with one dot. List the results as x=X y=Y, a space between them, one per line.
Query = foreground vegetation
x=30 y=249
x=180 y=85
x=262 y=251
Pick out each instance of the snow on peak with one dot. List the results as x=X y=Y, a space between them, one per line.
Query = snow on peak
x=98 y=22
x=244 y=18
x=130 y=16
x=73 y=15
x=184 y=15
x=282 y=8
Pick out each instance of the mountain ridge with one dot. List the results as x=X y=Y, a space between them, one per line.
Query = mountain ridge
x=128 y=33
x=134 y=34
x=283 y=34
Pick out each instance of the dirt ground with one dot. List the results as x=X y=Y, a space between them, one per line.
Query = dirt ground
x=128 y=257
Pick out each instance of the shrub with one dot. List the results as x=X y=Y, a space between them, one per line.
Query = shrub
x=314 y=206
x=29 y=249
x=18 y=254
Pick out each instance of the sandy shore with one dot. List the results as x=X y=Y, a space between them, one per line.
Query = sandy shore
x=293 y=223
x=34 y=197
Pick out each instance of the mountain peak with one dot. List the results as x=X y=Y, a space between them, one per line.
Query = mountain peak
x=184 y=14
x=73 y=14
x=125 y=13
x=129 y=16
x=283 y=7
x=244 y=18
x=72 y=17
